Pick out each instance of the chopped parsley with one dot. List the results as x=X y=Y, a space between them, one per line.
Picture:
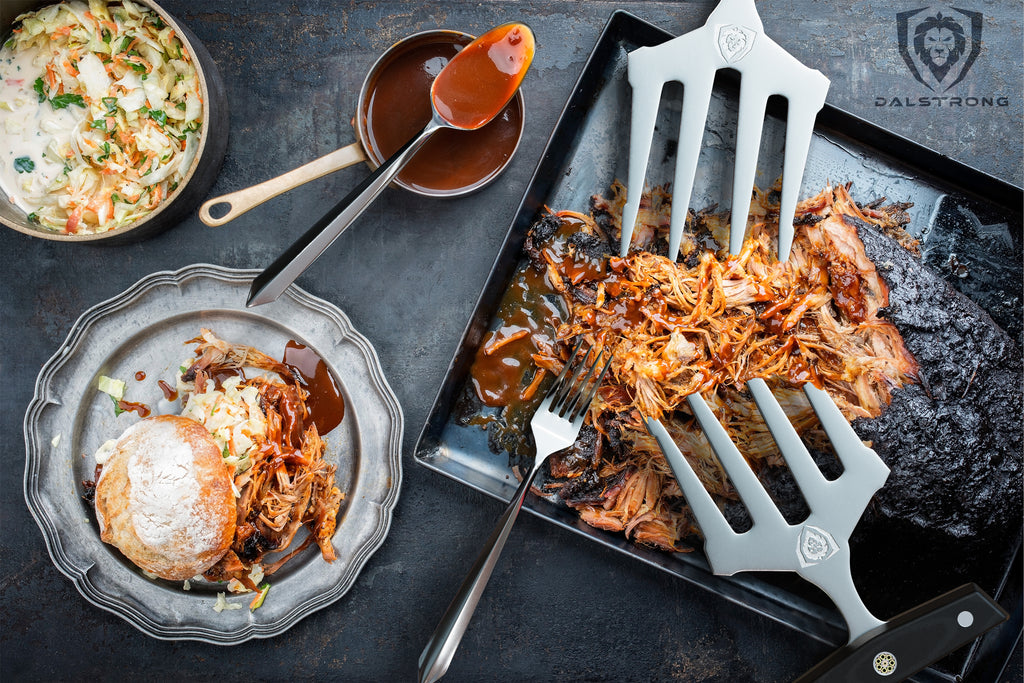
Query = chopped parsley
x=117 y=406
x=64 y=101
x=24 y=165
x=40 y=89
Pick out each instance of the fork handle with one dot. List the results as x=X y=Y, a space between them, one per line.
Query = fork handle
x=440 y=649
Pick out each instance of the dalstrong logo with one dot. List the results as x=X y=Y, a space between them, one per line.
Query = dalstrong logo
x=940 y=45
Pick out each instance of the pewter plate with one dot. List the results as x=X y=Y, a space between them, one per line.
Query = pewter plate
x=144 y=330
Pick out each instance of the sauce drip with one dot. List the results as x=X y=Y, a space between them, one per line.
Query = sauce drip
x=139 y=376
x=325 y=402
x=170 y=393
x=141 y=408
x=397 y=107
x=473 y=88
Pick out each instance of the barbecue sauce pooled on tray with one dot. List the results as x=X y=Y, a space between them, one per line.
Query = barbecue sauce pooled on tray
x=325 y=402
x=397 y=107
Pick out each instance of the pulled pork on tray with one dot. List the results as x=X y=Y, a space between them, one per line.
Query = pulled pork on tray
x=706 y=323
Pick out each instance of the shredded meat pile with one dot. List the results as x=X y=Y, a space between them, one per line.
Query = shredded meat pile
x=707 y=323
x=289 y=484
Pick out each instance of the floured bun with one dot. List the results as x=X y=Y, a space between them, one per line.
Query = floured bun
x=164 y=498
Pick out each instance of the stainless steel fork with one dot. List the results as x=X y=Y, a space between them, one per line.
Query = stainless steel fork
x=555 y=426
x=733 y=38
x=818 y=548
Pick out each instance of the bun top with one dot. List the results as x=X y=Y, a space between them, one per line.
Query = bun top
x=165 y=499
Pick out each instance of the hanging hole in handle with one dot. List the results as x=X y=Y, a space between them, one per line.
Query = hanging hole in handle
x=218 y=210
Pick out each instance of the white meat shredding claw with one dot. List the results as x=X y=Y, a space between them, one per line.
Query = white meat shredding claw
x=734 y=38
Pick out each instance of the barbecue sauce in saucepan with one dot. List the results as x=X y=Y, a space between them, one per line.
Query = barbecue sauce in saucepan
x=397 y=106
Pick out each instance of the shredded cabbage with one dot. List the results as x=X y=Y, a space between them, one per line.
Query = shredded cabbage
x=135 y=105
x=232 y=415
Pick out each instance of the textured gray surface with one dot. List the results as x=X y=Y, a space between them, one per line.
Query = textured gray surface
x=407 y=274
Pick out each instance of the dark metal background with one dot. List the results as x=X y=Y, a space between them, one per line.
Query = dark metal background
x=407 y=274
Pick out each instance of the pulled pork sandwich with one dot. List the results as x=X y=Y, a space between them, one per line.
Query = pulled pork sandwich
x=223 y=489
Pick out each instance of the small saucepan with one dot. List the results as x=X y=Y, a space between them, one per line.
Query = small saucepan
x=394 y=105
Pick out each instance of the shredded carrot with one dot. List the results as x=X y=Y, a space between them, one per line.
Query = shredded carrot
x=529 y=391
x=155 y=196
x=150 y=156
x=51 y=76
x=496 y=344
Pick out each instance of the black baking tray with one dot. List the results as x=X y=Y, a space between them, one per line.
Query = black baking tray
x=587 y=151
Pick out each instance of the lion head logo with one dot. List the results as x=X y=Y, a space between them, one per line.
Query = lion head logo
x=939 y=42
x=943 y=48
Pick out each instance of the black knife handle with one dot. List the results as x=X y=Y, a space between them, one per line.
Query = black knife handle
x=904 y=645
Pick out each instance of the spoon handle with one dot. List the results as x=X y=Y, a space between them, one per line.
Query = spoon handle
x=240 y=201
x=272 y=282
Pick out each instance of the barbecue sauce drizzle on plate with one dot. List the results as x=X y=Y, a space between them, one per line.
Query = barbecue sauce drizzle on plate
x=325 y=402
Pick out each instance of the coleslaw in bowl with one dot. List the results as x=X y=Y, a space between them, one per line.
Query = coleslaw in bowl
x=104 y=118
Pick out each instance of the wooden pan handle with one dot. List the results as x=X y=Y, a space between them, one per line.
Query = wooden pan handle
x=242 y=200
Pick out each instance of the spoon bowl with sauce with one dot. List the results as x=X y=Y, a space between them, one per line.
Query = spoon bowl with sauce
x=470 y=90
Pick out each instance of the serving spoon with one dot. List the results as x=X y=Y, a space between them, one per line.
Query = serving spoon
x=469 y=91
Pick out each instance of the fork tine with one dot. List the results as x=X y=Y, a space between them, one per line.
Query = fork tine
x=587 y=397
x=757 y=501
x=802 y=111
x=568 y=393
x=753 y=100
x=696 y=100
x=558 y=385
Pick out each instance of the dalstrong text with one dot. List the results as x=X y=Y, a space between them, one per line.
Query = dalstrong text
x=936 y=101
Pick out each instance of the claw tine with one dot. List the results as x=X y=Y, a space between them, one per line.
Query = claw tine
x=709 y=517
x=799 y=129
x=753 y=99
x=696 y=99
x=852 y=452
x=813 y=484
x=641 y=134
x=757 y=501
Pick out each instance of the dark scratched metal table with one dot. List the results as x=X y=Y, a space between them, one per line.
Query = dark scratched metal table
x=407 y=274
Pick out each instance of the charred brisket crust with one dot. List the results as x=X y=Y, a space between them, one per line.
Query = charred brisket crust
x=953 y=441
